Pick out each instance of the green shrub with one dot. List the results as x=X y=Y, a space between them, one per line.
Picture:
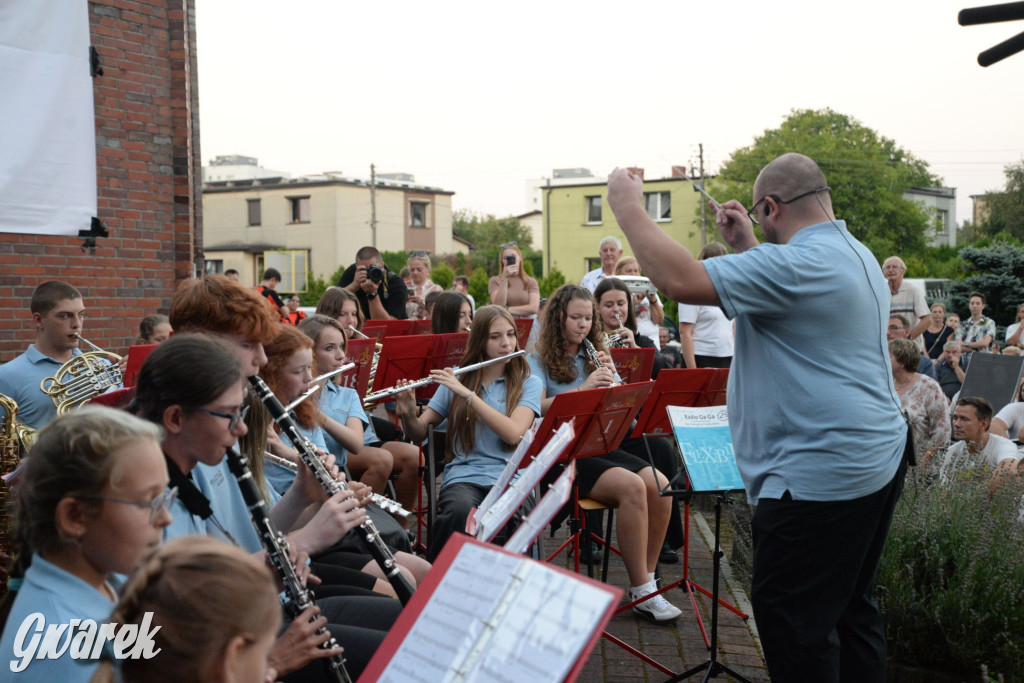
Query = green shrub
x=443 y=275
x=951 y=579
x=478 y=282
x=550 y=282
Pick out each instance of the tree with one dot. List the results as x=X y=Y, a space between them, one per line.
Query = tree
x=868 y=174
x=997 y=271
x=486 y=232
x=1006 y=207
x=442 y=275
x=478 y=287
x=550 y=282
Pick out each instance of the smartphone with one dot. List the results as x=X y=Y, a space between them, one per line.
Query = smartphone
x=510 y=260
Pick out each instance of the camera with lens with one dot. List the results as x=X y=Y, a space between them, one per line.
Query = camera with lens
x=375 y=273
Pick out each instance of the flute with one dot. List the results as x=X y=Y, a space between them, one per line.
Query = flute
x=368 y=531
x=386 y=504
x=387 y=393
x=312 y=390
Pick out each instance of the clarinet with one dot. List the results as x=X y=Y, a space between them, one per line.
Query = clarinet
x=294 y=598
x=369 y=534
x=591 y=352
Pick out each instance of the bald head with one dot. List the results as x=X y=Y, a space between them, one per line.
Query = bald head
x=789 y=175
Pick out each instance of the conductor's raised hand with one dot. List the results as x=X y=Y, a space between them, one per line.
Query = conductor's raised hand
x=734 y=224
x=624 y=189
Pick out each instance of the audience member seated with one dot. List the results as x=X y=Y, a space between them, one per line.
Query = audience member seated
x=899 y=328
x=971 y=419
x=977 y=332
x=669 y=352
x=1014 y=330
x=950 y=369
x=938 y=332
x=921 y=398
x=1009 y=421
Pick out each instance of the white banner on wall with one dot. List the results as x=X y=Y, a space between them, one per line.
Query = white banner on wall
x=47 y=119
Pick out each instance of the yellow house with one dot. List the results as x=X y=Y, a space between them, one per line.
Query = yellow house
x=577 y=218
x=317 y=223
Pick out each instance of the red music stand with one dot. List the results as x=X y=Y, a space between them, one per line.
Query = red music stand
x=392 y=327
x=119 y=398
x=523 y=327
x=446 y=351
x=687 y=388
x=633 y=365
x=603 y=417
x=401 y=358
x=360 y=352
x=137 y=355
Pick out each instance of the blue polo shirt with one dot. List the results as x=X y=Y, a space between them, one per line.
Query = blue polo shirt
x=339 y=404
x=553 y=387
x=485 y=463
x=60 y=597
x=801 y=421
x=20 y=380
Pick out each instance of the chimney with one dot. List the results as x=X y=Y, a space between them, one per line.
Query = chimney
x=679 y=172
x=638 y=172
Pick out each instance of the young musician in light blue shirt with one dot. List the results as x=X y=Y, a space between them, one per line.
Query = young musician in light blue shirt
x=488 y=410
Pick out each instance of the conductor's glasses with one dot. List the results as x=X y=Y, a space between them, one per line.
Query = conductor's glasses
x=778 y=200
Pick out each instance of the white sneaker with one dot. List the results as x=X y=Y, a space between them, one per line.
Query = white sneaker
x=657 y=608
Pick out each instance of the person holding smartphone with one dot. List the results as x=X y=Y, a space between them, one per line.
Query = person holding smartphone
x=512 y=287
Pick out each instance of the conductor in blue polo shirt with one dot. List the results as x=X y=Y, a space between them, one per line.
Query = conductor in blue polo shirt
x=58 y=314
x=820 y=448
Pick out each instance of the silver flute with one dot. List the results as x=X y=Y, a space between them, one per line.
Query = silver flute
x=316 y=387
x=389 y=506
x=393 y=391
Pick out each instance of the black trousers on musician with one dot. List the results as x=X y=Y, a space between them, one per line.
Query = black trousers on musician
x=814 y=572
x=359 y=624
x=454 y=503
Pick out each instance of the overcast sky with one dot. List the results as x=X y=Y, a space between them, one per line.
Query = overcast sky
x=477 y=97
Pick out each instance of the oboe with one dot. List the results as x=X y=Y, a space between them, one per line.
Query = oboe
x=295 y=598
x=370 y=536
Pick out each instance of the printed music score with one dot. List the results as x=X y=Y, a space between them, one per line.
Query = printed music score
x=534 y=523
x=496 y=616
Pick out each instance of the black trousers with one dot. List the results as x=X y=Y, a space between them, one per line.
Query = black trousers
x=359 y=624
x=454 y=504
x=814 y=571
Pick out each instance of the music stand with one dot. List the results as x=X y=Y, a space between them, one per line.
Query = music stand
x=446 y=351
x=360 y=352
x=633 y=365
x=683 y=388
x=523 y=328
x=401 y=358
x=710 y=470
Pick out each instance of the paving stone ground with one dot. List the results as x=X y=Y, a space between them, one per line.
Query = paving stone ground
x=679 y=646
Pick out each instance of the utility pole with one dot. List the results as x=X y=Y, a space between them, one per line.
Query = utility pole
x=703 y=203
x=373 y=205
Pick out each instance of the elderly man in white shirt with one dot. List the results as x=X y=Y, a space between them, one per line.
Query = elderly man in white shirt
x=611 y=252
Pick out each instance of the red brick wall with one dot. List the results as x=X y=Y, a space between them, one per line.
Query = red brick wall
x=148 y=182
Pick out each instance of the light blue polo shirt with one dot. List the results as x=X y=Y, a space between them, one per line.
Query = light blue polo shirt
x=553 y=387
x=812 y=408
x=281 y=478
x=485 y=463
x=220 y=487
x=20 y=380
x=60 y=597
x=339 y=404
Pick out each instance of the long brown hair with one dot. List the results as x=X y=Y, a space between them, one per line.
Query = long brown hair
x=287 y=341
x=607 y=285
x=333 y=299
x=553 y=347
x=314 y=326
x=462 y=420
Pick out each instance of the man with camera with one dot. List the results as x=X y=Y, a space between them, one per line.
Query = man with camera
x=381 y=293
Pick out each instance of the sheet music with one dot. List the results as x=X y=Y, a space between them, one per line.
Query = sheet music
x=706 y=447
x=506 y=476
x=546 y=509
x=499 y=617
x=489 y=524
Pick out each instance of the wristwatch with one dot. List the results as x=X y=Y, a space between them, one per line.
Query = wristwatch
x=371 y=295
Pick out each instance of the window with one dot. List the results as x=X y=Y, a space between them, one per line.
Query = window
x=594 y=209
x=658 y=205
x=255 y=217
x=293 y=265
x=298 y=209
x=214 y=266
x=418 y=214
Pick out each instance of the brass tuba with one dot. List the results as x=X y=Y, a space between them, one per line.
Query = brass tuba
x=83 y=377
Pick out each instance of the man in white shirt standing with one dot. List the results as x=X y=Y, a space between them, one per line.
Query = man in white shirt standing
x=907 y=299
x=611 y=252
